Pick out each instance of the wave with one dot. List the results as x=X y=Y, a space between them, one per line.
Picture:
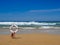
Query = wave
x=27 y=23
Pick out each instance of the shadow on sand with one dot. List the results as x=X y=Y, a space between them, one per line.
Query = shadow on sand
x=17 y=38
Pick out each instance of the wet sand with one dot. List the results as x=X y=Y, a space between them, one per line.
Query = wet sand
x=30 y=39
x=27 y=31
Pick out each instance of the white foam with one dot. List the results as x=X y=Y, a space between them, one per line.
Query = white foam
x=26 y=23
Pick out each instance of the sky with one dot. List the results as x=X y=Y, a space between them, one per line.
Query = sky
x=29 y=10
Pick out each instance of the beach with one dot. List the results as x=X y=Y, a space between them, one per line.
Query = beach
x=30 y=37
x=29 y=22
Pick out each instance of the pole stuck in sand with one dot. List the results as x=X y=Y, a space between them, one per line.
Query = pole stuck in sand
x=13 y=29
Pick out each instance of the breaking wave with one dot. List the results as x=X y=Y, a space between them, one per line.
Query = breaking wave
x=27 y=23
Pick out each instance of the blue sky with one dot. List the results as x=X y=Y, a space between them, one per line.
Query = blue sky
x=29 y=10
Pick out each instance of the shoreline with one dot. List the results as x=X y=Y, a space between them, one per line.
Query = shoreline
x=34 y=28
x=27 y=31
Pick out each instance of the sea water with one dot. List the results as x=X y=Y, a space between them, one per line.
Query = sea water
x=44 y=25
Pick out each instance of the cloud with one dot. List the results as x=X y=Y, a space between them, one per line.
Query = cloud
x=50 y=10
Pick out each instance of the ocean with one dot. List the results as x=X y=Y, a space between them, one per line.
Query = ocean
x=51 y=27
x=32 y=24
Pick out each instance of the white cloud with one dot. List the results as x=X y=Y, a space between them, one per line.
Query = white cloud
x=50 y=10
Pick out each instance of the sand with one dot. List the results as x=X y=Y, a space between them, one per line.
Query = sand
x=31 y=39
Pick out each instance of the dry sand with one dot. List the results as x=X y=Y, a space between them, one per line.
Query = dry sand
x=30 y=39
